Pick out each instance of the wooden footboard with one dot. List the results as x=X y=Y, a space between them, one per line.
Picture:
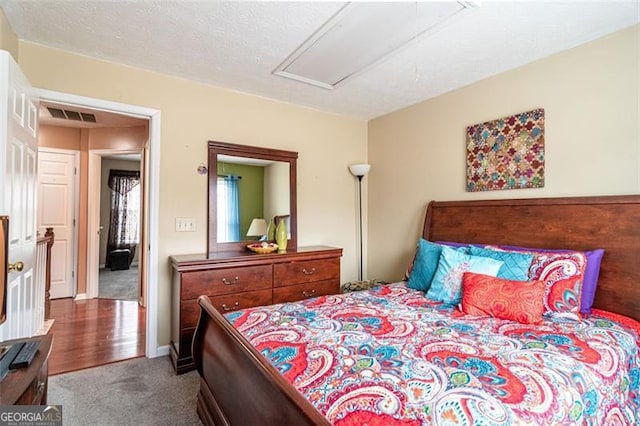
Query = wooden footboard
x=238 y=386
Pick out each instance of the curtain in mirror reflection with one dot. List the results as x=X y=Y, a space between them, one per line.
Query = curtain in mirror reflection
x=228 y=209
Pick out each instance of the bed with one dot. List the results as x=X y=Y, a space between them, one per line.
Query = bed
x=390 y=356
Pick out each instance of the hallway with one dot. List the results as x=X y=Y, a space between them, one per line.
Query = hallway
x=88 y=333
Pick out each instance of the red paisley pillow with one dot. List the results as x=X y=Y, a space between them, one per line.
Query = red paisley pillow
x=562 y=274
x=505 y=299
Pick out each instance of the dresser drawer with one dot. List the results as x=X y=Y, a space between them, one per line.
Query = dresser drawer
x=291 y=273
x=190 y=310
x=216 y=282
x=293 y=293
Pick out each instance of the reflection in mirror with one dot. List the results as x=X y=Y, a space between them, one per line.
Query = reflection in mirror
x=249 y=188
x=247 y=183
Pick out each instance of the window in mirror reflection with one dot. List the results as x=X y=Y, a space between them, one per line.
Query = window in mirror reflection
x=261 y=190
x=228 y=208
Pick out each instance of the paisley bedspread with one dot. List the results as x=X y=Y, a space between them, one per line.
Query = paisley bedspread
x=389 y=356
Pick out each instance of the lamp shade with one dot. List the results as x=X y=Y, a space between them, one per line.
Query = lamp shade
x=258 y=228
x=359 y=169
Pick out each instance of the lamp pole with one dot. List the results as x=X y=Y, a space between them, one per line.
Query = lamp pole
x=360 y=216
x=359 y=171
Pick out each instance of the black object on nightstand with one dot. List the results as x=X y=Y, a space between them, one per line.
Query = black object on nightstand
x=26 y=355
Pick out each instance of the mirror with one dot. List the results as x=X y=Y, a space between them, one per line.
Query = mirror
x=249 y=188
x=246 y=183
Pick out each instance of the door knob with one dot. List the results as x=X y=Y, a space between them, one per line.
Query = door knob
x=18 y=266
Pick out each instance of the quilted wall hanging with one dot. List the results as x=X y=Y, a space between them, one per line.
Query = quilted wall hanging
x=507 y=153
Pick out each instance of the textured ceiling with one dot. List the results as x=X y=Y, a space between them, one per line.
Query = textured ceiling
x=237 y=45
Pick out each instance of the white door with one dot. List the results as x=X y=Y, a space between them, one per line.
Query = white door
x=18 y=175
x=57 y=173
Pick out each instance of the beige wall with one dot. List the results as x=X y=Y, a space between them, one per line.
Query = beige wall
x=276 y=200
x=59 y=137
x=121 y=138
x=8 y=39
x=194 y=113
x=126 y=138
x=591 y=100
x=105 y=200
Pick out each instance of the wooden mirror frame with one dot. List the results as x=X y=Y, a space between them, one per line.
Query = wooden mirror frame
x=224 y=148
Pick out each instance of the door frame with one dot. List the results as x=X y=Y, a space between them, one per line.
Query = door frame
x=76 y=205
x=93 y=216
x=152 y=349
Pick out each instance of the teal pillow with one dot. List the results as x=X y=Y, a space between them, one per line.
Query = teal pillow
x=425 y=264
x=446 y=285
x=515 y=267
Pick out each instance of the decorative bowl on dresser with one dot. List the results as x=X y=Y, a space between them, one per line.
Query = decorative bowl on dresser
x=238 y=280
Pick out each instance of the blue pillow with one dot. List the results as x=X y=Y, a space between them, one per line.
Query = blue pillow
x=515 y=267
x=446 y=285
x=425 y=264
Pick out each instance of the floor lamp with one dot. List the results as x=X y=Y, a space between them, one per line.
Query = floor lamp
x=359 y=171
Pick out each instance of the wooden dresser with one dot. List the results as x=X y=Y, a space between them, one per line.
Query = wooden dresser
x=28 y=386
x=238 y=280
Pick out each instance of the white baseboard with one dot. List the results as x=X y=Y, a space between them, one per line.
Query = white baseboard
x=81 y=296
x=161 y=351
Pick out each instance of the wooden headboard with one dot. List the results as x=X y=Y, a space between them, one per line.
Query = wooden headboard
x=580 y=223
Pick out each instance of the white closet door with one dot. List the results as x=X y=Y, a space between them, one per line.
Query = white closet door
x=56 y=209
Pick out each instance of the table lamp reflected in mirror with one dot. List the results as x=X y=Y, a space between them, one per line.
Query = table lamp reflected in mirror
x=258 y=228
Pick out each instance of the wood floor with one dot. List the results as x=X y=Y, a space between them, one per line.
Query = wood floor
x=88 y=333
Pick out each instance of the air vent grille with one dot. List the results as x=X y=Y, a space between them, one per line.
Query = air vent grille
x=66 y=114
x=88 y=117
x=73 y=115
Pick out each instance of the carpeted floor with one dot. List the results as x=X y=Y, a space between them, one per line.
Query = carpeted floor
x=121 y=284
x=135 y=392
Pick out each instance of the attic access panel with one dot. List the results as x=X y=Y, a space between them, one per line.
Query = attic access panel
x=359 y=36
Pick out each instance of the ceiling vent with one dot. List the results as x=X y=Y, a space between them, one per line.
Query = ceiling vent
x=65 y=114
x=360 y=35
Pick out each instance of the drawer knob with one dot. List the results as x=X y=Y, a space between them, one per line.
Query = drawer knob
x=225 y=281
x=308 y=293
x=230 y=308
x=309 y=272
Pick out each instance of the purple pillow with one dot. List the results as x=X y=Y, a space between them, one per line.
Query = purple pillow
x=591 y=272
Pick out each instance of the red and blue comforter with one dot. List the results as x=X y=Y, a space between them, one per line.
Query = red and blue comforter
x=389 y=356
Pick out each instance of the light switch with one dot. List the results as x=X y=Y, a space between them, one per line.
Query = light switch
x=185 y=224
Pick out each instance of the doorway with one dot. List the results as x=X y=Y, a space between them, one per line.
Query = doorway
x=150 y=119
x=117 y=323
x=121 y=196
